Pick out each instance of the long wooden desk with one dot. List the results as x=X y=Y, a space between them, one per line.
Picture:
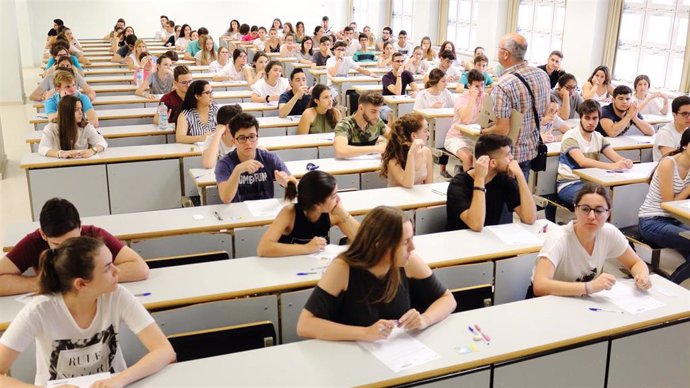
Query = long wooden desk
x=129 y=89
x=125 y=71
x=536 y=342
x=679 y=209
x=439 y=121
x=628 y=189
x=114 y=65
x=118 y=136
x=134 y=101
x=117 y=79
x=175 y=222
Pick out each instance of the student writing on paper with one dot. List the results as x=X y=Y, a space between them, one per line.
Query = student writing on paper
x=670 y=182
x=76 y=319
x=572 y=259
x=476 y=197
x=377 y=281
x=407 y=161
x=59 y=221
x=247 y=173
x=220 y=142
x=71 y=136
x=302 y=227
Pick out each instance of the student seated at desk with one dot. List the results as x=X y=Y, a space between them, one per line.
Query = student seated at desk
x=386 y=56
x=551 y=124
x=197 y=117
x=668 y=137
x=207 y=54
x=133 y=60
x=321 y=57
x=60 y=50
x=59 y=220
x=476 y=198
x=395 y=83
x=552 y=67
x=621 y=114
x=173 y=100
x=567 y=97
x=66 y=85
x=302 y=228
x=220 y=62
x=121 y=55
x=70 y=136
x=364 y=54
x=339 y=65
x=572 y=259
x=377 y=284
x=76 y=318
x=289 y=48
x=257 y=71
x=159 y=82
x=416 y=63
x=648 y=103
x=407 y=161
x=220 y=143
x=364 y=132
x=436 y=94
x=193 y=46
x=272 y=85
x=481 y=62
x=598 y=86
x=321 y=116
x=44 y=90
x=306 y=51
x=670 y=182
x=236 y=70
x=247 y=173
x=581 y=147
x=295 y=100
x=446 y=64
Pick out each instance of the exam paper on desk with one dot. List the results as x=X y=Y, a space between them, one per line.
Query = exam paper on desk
x=400 y=351
x=630 y=299
x=513 y=234
x=264 y=207
x=81 y=381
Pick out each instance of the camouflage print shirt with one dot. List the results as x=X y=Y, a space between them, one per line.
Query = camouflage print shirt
x=355 y=135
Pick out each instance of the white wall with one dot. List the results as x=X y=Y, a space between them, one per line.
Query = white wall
x=11 y=88
x=95 y=18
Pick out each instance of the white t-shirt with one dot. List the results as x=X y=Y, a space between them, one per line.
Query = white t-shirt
x=229 y=71
x=263 y=89
x=63 y=349
x=222 y=148
x=667 y=137
x=452 y=72
x=406 y=51
x=86 y=137
x=426 y=100
x=260 y=44
x=572 y=262
x=215 y=67
x=344 y=69
x=654 y=106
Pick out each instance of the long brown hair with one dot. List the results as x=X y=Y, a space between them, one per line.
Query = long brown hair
x=378 y=237
x=315 y=95
x=401 y=137
x=67 y=125
x=72 y=259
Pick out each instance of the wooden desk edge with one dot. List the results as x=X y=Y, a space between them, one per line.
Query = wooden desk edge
x=104 y=160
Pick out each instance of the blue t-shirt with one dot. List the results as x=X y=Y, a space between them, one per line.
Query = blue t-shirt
x=193 y=47
x=300 y=106
x=608 y=113
x=258 y=185
x=487 y=79
x=75 y=62
x=51 y=104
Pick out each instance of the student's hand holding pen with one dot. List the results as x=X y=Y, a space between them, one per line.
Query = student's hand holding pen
x=381 y=329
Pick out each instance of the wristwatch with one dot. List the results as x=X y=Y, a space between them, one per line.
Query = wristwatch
x=94 y=149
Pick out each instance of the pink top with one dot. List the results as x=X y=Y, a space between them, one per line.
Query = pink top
x=460 y=102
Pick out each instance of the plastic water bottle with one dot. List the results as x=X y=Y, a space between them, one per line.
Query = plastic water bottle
x=139 y=77
x=162 y=117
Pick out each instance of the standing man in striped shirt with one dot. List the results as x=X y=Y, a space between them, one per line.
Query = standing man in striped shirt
x=511 y=93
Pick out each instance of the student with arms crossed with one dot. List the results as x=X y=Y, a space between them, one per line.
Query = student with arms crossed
x=621 y=114
x=668 y=137
x=77 y=316
x=247 y=173
x=572 y=259
x=670 y=182
x=364 y=132
x=294 y=101
x=302 y=227
x=476 y=197
x=407 y=161
x=220 y=142
x=66 y=85
x=378 y=283
x=321 y=116
x=59 y=220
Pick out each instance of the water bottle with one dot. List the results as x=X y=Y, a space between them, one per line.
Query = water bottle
x=139 y=77
x=162 y=117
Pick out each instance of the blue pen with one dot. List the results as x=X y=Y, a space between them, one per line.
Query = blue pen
x=143 y=294
x=605 y=310
x=306 y=273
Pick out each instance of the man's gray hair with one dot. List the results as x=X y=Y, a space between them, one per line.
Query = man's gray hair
x=516 y=50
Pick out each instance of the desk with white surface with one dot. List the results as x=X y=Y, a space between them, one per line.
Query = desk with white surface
x=439 y=120
x=679 y=209
x=118 y=136
x=129 y=89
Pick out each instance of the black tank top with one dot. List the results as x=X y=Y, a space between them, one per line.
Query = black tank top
x=304 y=230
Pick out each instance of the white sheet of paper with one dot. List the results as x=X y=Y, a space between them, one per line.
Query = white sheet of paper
x=620 y=175
x=685 y=205
x=400 y=351
x=642 y=139
x=366 y=157
x=630 y=299
x=513 y=234
x=329 y=252
x=81 y=382
x=264 y=207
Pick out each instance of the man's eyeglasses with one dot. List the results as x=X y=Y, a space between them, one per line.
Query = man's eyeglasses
x=570 y=88
x=244 y=139
x=209 y=92
x=186 y=83
x=598 y=211
x=684 y=115
x=398 y=61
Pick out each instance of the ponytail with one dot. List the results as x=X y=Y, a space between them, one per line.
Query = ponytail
x=60 y=266
x=290 y=191
x=314 y=188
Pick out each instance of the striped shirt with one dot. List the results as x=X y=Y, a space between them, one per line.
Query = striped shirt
x=510 y=93
x=652 y=203
x=194 y=125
